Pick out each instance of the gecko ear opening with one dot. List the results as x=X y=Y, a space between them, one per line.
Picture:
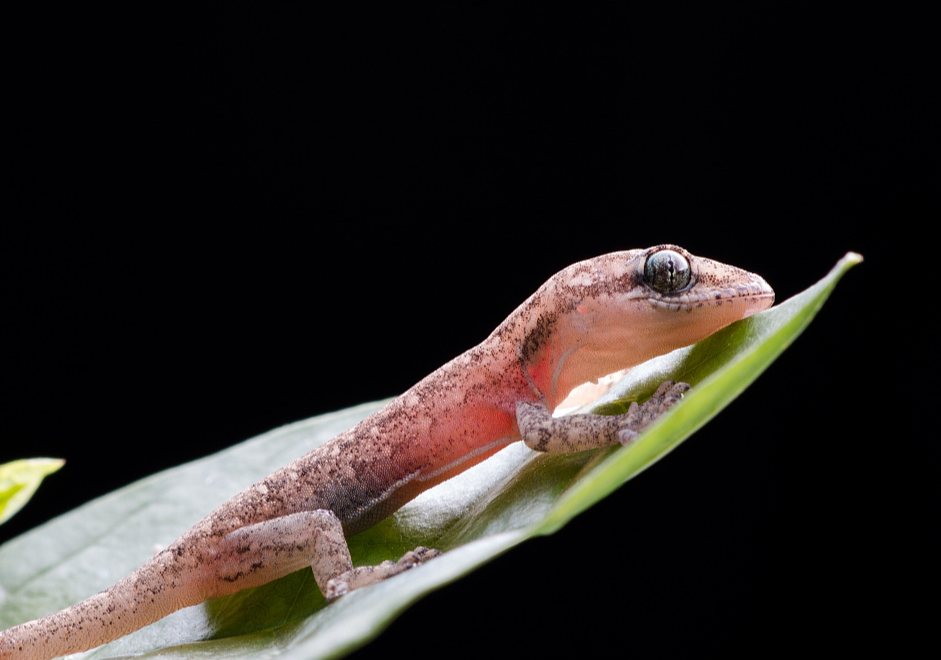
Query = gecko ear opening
x=667 y=271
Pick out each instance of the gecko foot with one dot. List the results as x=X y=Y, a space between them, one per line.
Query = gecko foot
x=362 y=576
x=639 y=417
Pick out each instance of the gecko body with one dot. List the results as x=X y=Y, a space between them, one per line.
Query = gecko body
x=590 y=319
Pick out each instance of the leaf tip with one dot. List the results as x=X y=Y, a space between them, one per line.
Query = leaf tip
x=851 y=259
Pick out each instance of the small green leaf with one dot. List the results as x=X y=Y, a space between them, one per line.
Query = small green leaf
x=492 y=507
x=20 y=479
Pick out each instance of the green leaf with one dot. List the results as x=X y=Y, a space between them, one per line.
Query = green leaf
x=492 y=507
x=20 y=479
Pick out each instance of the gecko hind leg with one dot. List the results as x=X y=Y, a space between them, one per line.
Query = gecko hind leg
x=543 y=432
x=261 y=552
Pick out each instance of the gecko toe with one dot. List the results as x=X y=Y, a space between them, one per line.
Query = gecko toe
x=336 y=587
x=417 y=556
x=626 y=436
x=667 y=395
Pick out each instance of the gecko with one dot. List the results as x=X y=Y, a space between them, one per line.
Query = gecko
x=589 y=320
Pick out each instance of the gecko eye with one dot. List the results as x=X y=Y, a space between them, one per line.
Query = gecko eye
x=667 y=271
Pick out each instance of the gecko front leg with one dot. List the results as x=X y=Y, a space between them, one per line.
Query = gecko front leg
x=543 y=432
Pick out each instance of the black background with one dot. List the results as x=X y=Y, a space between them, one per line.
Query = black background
x=218 y=224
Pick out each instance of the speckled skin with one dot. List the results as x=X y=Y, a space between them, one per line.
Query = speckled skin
x=590 y=319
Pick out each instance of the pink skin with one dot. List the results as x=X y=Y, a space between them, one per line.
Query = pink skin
x=590 y=319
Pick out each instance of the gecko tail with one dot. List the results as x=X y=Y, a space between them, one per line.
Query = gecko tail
x=140 y=599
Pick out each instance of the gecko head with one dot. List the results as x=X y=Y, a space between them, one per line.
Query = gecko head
x=664 y=298
x=623 y=308
x=674 y=280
